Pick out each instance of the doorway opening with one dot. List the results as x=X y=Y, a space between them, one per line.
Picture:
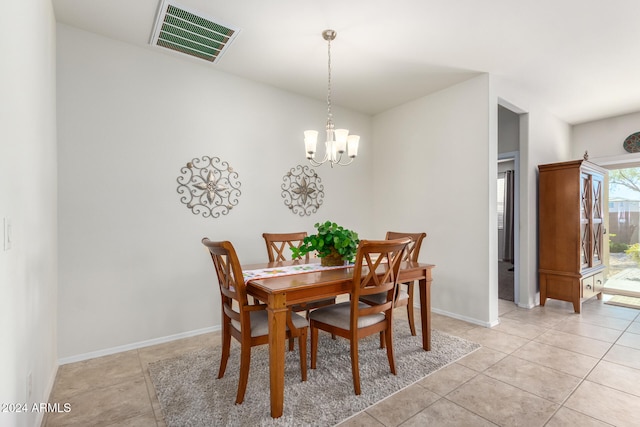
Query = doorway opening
x=506 y=262
x=508 y=203
x=623 y=230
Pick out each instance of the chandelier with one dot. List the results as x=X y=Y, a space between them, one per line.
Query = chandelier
x=338 y=141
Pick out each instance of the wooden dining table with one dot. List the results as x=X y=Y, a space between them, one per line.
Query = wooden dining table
x=280 y=292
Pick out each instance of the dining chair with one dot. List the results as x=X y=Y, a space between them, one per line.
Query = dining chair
x=248 y=323
x=375 y=271
x=404 y=296
x=278 y=245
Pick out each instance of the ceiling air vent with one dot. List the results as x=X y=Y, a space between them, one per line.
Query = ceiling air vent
x=191 y=33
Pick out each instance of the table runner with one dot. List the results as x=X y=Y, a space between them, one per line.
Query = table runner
x=286 y=270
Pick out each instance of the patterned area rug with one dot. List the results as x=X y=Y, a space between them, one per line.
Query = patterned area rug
x=190 y=395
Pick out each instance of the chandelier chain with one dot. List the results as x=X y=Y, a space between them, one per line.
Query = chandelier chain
x=330 y=116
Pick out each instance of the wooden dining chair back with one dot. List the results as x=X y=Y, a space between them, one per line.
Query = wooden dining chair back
x=247 y=323
x=279 y=249
x=375 y=272
x=279 y=245
x=404 y=296
x=413 y=249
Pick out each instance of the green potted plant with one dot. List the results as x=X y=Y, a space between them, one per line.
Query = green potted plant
x=333 y=243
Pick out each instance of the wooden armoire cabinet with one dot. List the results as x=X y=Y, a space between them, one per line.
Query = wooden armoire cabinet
x=571 y=231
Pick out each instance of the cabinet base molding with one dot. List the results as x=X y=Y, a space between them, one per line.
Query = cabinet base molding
x=573 y=289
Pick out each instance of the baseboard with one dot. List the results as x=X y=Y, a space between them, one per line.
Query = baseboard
x=464 y=318
x=530 y=303
x=527 y=306
x=169 y=338
x=136 y=345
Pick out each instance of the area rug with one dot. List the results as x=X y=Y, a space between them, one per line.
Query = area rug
x=190 y=395
x=624 y=301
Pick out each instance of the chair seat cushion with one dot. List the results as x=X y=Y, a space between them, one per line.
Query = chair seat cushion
x=339 y=315
x=382 y=298
x=260 y=323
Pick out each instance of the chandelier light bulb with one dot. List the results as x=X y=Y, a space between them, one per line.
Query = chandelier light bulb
x=310 y=142
x=352 y=145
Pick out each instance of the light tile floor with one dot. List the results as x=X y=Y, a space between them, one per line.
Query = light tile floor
x=541 y=367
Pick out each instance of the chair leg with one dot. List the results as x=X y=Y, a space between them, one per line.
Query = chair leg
x=245 y=359
x=314 y=346
x=381 y=339
x=291 y=340
x=226 y=345
x=302 y=344
x=412 y=322
x=355 y=367
x=390 y=356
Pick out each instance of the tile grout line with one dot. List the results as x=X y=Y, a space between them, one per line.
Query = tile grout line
x=483 y=373
x=582 y=380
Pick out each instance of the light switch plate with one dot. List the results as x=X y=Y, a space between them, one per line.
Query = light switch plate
x=7 y=233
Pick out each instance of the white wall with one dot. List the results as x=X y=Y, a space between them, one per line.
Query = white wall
x=603 y=139
x=28 y=271
x=132 y=267
x=432 y=161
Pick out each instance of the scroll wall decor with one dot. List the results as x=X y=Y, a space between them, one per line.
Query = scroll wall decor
x=302 y=190
x=209 y=187
x=631 y=143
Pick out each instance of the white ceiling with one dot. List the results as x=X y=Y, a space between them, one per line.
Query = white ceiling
x=581 y=58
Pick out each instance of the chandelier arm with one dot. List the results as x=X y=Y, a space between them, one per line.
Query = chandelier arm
x=326 y=159
x=315 y=163
x=339 y=162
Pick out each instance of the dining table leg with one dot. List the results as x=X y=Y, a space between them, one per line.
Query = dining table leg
x=425 y=309
x=277 y=315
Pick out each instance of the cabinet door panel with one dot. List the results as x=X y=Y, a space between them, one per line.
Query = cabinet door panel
x=586 y=241
x=597 y=219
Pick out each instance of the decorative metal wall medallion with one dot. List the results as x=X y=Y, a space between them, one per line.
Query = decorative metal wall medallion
x=632 y=143
x=302 y=190
x=209 y=186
